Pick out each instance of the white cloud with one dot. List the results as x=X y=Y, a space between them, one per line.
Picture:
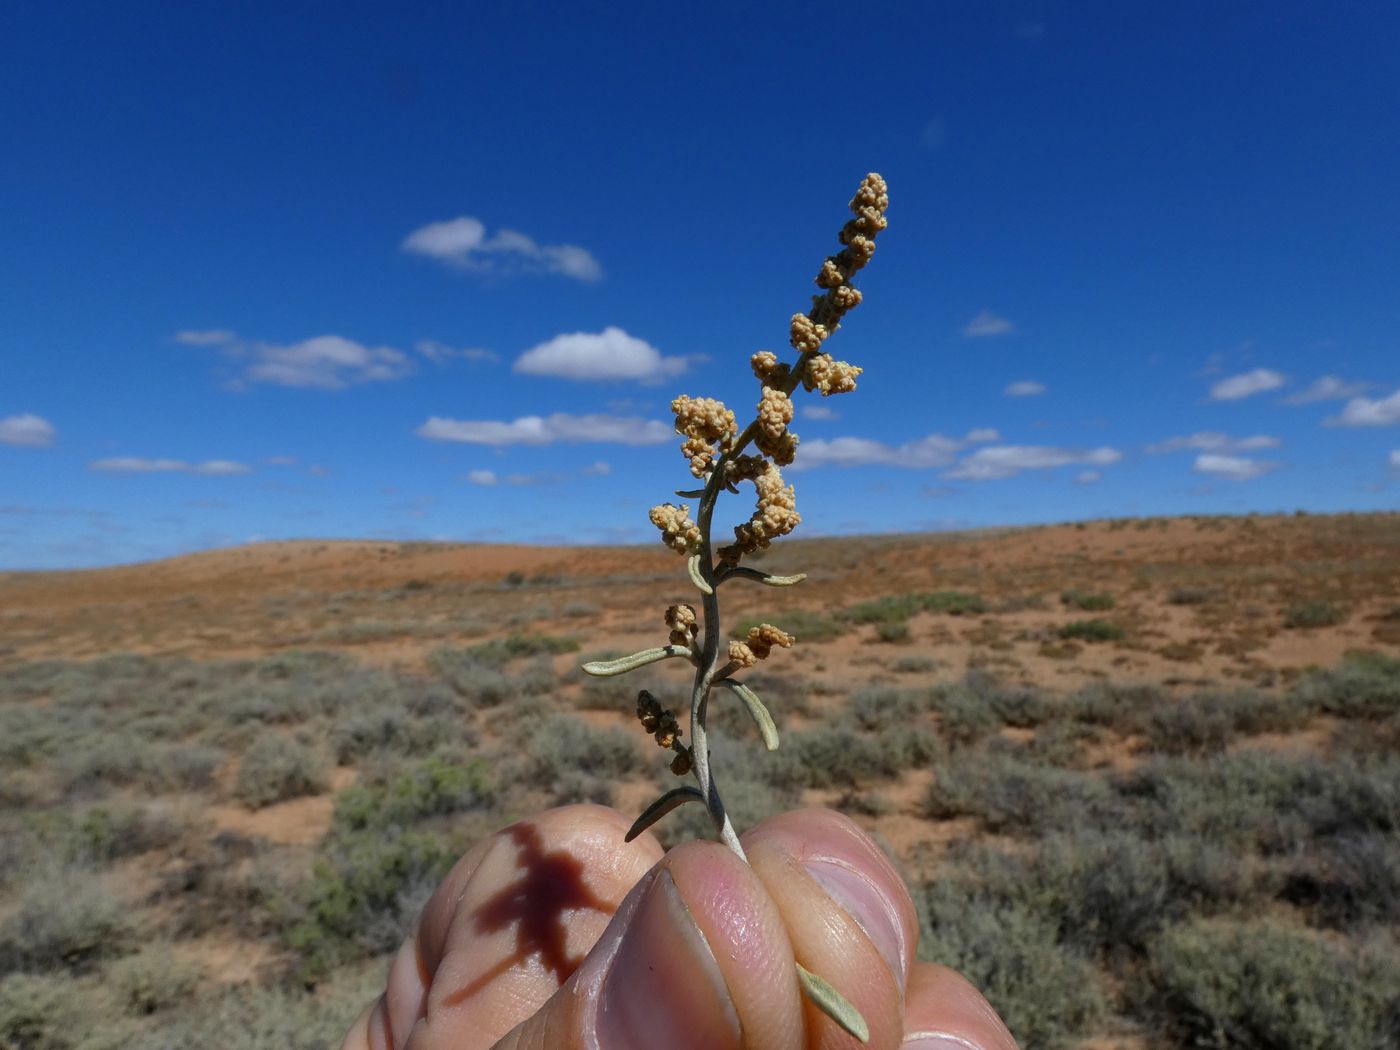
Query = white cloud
x=1395 y=459
x=481 y=477
x=1024 y=388
x=1368 y=412
x=27 y=430
x=439 y=353
x=821 y=412
x=1233 y=468
x=988 y=323
x=1246 y=384
x=1327 y=388
x=1088 y=477
x=609 y=354
x=932 y=451
x=1006 y=461
x=206 y=337
x=140 y=465
x=547 y=430
x=982 y=435
x=324 y=362
x=598 y=469
x=1212 y=441
x=462 y=242
x=281 y=461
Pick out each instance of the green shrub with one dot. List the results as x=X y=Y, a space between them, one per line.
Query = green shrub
x=276 y=767
x=363 y=894
x=892 y=633
x=1313 y=613
x=1259 y=984
x=432 y=787
x=892 y=609
x=830 y=756
x=1088 y=601
x=964 y=717
x=881 y=707
x=1092 y=631
x=577 y=762
x=954 y=603
x=517 y=645
x=1009 y=794
x=66 y=919
x=1350 y=881
x=1047 y=994
x=153 y=980
x=101 y=834
x=1364 y=685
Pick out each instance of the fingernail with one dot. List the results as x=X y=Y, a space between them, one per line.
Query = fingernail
x=938 y=1041
x=664 y=987
x=871 y=910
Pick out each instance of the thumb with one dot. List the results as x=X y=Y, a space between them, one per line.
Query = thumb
x=696 y=957
x=702 y=953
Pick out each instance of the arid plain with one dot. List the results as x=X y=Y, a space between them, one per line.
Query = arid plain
x=1127 y=767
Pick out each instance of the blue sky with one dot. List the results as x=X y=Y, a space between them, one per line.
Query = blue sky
x=435 y=271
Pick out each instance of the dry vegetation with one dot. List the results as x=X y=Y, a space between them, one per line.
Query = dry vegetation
x=1143 y=776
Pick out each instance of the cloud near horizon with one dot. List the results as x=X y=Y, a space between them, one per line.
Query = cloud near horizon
x=560 y=427
x=1024 y=388
x=1006 y=461
x=27 y=431
x=1232 y=468
x=1247 y=384
x=462 y=243
x=935 y=450
x=611 y=354
x=140 y=465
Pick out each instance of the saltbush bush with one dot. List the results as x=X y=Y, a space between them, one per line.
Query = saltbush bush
x=276 y=767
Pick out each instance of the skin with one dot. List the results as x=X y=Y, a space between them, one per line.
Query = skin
x=554 y=934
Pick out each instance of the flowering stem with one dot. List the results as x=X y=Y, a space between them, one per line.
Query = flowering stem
x=709 y=665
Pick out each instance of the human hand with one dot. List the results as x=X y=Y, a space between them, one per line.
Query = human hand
x=555 y=934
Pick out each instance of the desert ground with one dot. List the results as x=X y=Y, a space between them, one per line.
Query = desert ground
x=1142 y=776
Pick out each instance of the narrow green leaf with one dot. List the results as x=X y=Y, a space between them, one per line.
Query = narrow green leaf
x=693 y=565
x=658 y=809
x=609 y=668
x=766 y=726
x=690 y=493
x=832 y=1003
x=762 y=577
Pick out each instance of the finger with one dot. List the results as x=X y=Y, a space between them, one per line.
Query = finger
x=943 y=1011
x=509 y=924
x=847 y=912
x=696 y=958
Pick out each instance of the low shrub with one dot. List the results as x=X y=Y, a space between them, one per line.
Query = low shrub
x=1046 y=993
x=363 y=894
x=1261 y=984
x=1007 y=793
x=1092 y=631
x=1364 y=685
x=576 y=762
x=65 y=919
x=435 y=786
x=152 y=981
x=1088 y=601
x=892 y=633
x=954 y=603
x=1190 y=595
x=1313 y=613
x=803 y=624
x=276 y=767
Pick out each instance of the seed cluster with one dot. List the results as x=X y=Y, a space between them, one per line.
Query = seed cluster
x=665 y=730
x=677 y=530
x=705 y=423
x=681 y=620
x=758 y=645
